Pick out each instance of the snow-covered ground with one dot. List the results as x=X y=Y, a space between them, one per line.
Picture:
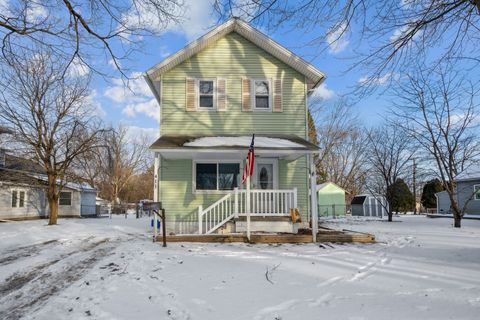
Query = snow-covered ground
x=109 y=269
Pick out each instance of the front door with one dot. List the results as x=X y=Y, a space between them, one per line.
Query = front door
x=265 y=174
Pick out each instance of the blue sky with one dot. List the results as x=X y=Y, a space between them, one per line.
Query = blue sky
x=137 y=109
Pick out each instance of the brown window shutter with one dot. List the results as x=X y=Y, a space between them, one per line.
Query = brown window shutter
x=277 y=95
x=246 y=95
x=221 y=94
x=190 y=95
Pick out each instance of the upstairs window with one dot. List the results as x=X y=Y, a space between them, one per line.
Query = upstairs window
x=206 y=94
x=476 y=190
x=65 y=198
x=261 y=89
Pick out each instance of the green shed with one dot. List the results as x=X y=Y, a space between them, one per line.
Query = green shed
x=331 y=200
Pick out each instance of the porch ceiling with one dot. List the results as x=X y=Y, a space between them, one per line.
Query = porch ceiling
x=230 y=146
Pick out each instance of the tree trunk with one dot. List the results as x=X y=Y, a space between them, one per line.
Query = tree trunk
x=457 y=221
x=53 y=206
x=52 y=197
x=390 y=216
x=457 y=215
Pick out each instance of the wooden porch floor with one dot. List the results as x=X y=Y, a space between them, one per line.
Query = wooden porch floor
x=322 y=236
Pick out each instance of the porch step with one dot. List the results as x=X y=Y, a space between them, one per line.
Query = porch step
x=340 y=237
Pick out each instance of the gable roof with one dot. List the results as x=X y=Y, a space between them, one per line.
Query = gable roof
x=314 y=76
x=472 y=173
x=328 y=183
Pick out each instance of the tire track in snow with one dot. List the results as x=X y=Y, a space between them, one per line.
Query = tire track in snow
x=26 y=251
x=25 y=292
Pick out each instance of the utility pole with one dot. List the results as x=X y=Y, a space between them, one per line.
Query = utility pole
x=414 y=187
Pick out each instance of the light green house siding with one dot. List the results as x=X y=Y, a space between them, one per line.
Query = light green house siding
x=181 y=204
x=231 y=58
x=331 y=200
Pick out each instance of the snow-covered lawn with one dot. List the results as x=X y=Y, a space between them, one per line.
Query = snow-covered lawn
x=109 y=269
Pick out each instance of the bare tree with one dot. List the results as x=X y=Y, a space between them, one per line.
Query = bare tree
x=50 y=116
x=389 y=158
x=87 y=33
x=342 y=142
x=391 y=34
x=121 y=158
x=438 y=109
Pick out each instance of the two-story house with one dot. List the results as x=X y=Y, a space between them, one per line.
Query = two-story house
x=213 y=95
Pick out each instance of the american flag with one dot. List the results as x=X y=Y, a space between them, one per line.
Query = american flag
x=250 y=162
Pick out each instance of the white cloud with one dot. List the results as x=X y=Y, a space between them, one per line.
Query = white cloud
x=149 y=108
x=337 y=38
x=377 y=80
x=135 y=90
x=36 y=12
x=135 y=133
x=78 y=69
x=97 y=107
x=134 y=97
x=403 y=31
x=196 y=18
x=323 y=92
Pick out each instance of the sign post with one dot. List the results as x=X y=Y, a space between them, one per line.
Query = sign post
x=158 y=212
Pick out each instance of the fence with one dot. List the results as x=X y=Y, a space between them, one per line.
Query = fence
x=333 y=211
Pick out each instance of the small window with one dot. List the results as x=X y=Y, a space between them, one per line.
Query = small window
x=21 y=198
x=262 y=94
x=206 y=89
x=14 y=198
x=65 y=199
x=217 y=176
x=476 y=189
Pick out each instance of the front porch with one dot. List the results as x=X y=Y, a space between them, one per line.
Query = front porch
x=197 y=179
x=258 y=203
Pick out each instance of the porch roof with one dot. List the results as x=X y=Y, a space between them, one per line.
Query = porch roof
x=273 y=145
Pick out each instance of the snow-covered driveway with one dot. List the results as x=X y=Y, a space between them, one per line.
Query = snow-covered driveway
x=109 y=269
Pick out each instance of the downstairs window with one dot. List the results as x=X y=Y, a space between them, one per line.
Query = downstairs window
x=216 y=176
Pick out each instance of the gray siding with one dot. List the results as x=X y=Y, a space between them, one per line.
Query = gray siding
x=35 y=206
x=465 y=195
x=88 y=200
x=443 y=202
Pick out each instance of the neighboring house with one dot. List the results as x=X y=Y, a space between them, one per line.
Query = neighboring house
x=23 y=196
x=367 y=205
x=330 y=199
x=443 y=202
x=213 y=95
x=467 y=193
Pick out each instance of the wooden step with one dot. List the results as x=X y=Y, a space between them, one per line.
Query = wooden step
x=339 y=237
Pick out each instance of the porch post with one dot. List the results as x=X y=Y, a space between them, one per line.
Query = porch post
x=235 y=209
x=200 y=209
x=156 y=168
x=313 y=198
x=247 y=207
x=155 y=176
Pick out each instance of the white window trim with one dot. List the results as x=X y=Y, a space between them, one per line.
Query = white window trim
x=216 y=161
x=197 y=89
x=71 y=199
x=475 y=192
x=270 y=96
x=17 y=204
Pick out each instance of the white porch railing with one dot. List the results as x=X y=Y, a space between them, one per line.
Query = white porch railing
x=263 y=202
